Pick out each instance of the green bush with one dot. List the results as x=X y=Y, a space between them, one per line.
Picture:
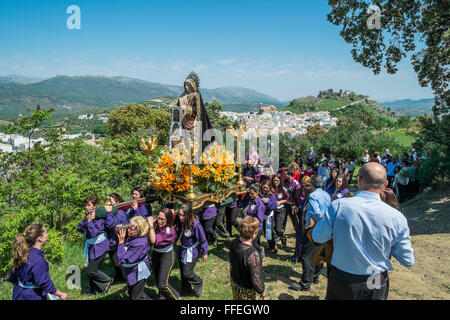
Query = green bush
x=54 y=248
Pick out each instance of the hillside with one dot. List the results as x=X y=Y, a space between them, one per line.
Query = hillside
x=80 y=93
x=334 y=105
x=410 y=107
x=14 y=78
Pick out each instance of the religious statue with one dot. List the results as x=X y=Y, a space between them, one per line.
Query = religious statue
x=191 y=109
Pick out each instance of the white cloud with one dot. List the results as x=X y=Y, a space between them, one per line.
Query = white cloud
x=227 y=61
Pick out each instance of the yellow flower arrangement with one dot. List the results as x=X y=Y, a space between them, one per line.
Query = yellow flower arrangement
x=217 y=165
x=171 y=174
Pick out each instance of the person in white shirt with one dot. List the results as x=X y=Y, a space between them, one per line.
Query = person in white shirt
x=350 y=164
x=365 y=157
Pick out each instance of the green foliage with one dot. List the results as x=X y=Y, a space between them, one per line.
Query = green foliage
x=131 y=119
x=404 y=121
x=54 y=248
x=403 y=23
x=347 y=140
x=433 y=140
x=48 y=184
x=314 y=133
x=214 y=108
x=364 y=115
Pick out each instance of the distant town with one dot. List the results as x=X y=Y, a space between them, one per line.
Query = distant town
x=268 y=119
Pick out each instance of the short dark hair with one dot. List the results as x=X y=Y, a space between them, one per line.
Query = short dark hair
x=140 y=190
x=92 y=199
x=316 y=180
x=116 y=197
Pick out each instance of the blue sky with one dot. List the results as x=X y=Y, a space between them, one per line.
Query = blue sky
x=286 y=49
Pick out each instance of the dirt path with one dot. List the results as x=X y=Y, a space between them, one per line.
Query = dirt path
x=429 y=220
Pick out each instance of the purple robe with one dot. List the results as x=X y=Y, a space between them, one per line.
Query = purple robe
x=338 y=194
x=295 y=192
x=282 y=194
x=208 y=212
x=144 y=210
x=189 y=237
x=34 y=272
x=331 y=189
x=92 y=229
x=271 y=205
x=164 y=239
x=256 y=208
x=136 y=251
x=111 y=222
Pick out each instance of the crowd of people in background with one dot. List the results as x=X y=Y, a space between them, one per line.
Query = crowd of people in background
x=308 y=192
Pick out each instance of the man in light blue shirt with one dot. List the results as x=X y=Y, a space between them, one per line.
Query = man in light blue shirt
x=366 y=232
x=390 y=167
x=318 y=203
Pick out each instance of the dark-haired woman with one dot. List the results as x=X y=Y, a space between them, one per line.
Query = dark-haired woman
x=280 y=215
x=269 y=199
x=331 y=182
x=307 y=189
x=144 y=209
x=191 y=242
x=341 y=188
x=29 y=273
x=114 y=217
x=163 y=237
x=96 y=247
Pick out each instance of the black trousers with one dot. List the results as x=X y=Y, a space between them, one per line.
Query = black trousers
x=220 y=219
x=136 y=292
x=347 y=286
x=310 y=271
x=275 y=237
x=209 y=226
x=402 y=192
x=390 y=180
x=280 y=217
x=98 y=280
x=189 y=279
x=292 y=215
x=350 y=176
x=231 y=218
x=162 y=264
x=117 y=268
x=256 y=243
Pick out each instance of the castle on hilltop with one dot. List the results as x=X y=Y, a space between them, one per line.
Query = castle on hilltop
x=330 y=94
x=267 y=109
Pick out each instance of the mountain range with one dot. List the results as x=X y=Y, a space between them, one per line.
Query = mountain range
x=80 y=94
x=410 y=107
x=77 y=94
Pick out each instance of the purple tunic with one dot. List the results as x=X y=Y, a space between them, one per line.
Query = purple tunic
x=92 y=229
x=189 y=237
x=111 y=222
x=295 y=191
x=271 y=205
x=208 y=212
x=144 y=210
x=35 y=272
x=282 y=195
x=338 y=194
x=256 y=208
x=164 y=239
x=134 y=250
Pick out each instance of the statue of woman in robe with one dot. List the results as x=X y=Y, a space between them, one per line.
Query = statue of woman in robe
x=191 y=100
